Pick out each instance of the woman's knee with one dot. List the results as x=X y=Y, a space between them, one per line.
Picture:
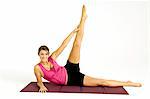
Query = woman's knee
x=104 y=83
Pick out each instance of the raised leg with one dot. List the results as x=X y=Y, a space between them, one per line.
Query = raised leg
x=90 y=81
x=74 y=56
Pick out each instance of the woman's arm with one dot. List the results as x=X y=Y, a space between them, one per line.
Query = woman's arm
x=39 y=79
x=57 y=52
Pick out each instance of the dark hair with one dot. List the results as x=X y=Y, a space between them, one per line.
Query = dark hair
x=43 y=47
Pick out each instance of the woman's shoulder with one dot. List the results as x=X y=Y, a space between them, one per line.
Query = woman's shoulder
x=51 y=58
x=36 y=67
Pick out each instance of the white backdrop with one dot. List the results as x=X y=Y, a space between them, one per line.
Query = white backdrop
x=115 y=43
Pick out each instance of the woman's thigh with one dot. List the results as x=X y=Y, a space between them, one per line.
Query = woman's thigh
x=91 y=81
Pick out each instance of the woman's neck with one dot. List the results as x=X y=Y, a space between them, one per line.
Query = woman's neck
x=44 y=63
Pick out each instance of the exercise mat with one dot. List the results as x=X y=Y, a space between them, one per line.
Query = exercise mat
x=32 y=87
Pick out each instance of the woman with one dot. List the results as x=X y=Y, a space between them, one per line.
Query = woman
x=69 y=74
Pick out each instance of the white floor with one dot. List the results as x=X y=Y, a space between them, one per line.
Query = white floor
x=10 y=89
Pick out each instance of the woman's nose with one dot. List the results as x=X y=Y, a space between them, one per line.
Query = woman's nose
x=44 y=57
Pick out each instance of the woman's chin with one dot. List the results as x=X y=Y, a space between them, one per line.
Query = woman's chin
x=44 y=61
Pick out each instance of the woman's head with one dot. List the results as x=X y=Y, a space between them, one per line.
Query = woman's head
x=43 y=52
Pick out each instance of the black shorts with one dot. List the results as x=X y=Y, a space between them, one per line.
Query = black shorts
x=75 y=77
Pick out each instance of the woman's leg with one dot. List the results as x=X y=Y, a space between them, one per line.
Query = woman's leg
x=90 y=81
x=74 y=56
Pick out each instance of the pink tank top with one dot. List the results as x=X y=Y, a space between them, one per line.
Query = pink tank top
x=57 y=74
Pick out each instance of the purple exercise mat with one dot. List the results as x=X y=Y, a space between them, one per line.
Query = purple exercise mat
x=32 y=87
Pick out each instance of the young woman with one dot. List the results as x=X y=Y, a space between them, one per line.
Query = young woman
x=69 y=74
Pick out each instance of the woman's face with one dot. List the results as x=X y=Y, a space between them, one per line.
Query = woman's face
x=44 y=55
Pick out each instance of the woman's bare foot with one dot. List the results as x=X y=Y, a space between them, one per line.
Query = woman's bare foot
x=84 y=15
x=130 y=83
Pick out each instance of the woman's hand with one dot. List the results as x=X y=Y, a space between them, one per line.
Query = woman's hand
x=43 y=89
x=76 y=29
